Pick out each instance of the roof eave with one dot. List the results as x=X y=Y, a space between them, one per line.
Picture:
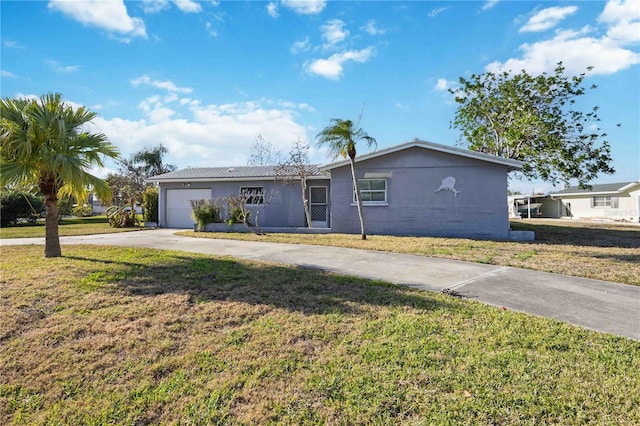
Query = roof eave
x=511 y=164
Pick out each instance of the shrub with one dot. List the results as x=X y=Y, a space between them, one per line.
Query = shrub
x=65 y=207
x=121 y=217
x=16 y=206
x=207 y=211
x=150 y=204
x=82 y=210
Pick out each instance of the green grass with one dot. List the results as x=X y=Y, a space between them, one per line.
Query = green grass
x=66 y=227
x=603 y=251
x=140 y=336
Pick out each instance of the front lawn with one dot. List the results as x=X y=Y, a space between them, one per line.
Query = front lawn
x=139 y=336
x=67 y=227
x=603 y=251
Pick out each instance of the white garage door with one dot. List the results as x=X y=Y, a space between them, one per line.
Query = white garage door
x=179 y=208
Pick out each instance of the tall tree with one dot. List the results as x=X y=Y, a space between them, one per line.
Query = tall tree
x=341 y=139
x=534 y=119
x=150 y=161
x=44 y=143
x=264 y=153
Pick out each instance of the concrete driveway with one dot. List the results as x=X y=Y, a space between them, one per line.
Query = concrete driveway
x=597 y=305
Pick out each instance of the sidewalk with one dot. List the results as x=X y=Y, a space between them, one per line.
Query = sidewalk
x=597 y=305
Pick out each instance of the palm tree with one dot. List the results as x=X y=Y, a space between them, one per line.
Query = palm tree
x=45 y=144
x=341 y=138
x=151 y=161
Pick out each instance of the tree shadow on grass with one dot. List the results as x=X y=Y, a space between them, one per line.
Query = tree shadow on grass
x=206 y=279
x=587 y=236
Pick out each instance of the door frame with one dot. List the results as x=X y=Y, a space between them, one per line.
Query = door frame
x=317 y=223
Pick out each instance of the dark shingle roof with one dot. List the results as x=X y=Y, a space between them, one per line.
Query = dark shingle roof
x=604 y=187
x=222 y=173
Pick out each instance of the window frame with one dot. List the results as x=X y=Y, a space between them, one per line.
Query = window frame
x=604 y=202
x=384 y=191
x=250 y=198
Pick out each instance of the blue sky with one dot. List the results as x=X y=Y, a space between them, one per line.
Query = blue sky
x=206 y=78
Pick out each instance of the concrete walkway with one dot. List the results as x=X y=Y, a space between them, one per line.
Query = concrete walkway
x=597 y=305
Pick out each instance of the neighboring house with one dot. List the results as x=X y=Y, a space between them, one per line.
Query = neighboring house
x=612 y=201
x=417 y=188
x=96 y=204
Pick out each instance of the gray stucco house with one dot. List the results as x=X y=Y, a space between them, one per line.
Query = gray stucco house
x=416 y=188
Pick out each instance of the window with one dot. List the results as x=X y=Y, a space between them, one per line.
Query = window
x=252 y=194
x=373 y=191
x=606 y=201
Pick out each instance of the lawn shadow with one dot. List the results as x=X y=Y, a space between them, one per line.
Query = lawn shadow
x=587 y=236
x=305 y=290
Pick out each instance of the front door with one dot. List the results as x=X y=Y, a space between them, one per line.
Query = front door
x=319 y=206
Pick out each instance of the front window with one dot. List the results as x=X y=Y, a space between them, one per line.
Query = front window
x=602 y=201
x=252 y=194
x=373 y=191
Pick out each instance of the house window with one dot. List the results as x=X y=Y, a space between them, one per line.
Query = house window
x=373 y=191
x=252 y=194
x=604 y=201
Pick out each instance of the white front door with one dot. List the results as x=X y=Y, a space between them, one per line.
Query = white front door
x=319 y=206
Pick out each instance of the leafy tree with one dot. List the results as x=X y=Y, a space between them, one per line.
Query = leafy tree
x=534 y=119
x=16 y=205
x=341 y=138
x=128 y=185
x=264 y=153
x=150 y=161
x=45 y=143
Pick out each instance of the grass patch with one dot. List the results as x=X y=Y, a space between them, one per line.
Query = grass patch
x=168 y=337
x=602 y=251
x=67 y=227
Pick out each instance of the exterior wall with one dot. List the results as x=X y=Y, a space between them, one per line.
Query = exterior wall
x=414 y=204
x=579 y=206
x=284 y=210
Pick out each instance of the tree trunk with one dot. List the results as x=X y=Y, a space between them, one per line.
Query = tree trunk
x=305 y=201
x=358 y=198
x=51 y=240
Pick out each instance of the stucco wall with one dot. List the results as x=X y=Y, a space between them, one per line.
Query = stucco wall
x=415 y=207
x=284 y=209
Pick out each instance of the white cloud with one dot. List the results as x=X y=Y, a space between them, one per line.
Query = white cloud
x=547 y=18
x=402 y=106
x=331 y=68
x=305 y=7
x=153 y=6
x=5 y=73
x=333 y=32
x=272 y=9
x=442 y=85
x=576 y=50
x=188 y=6
x=213 y=32
x=111 y=16
x=57 y=67
x=12 y=44
x=372 y=29
x=489 y=4
x=436 y=12
x=165 y=85
x=623 y=20
x=300 y=46
x=213 y=135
